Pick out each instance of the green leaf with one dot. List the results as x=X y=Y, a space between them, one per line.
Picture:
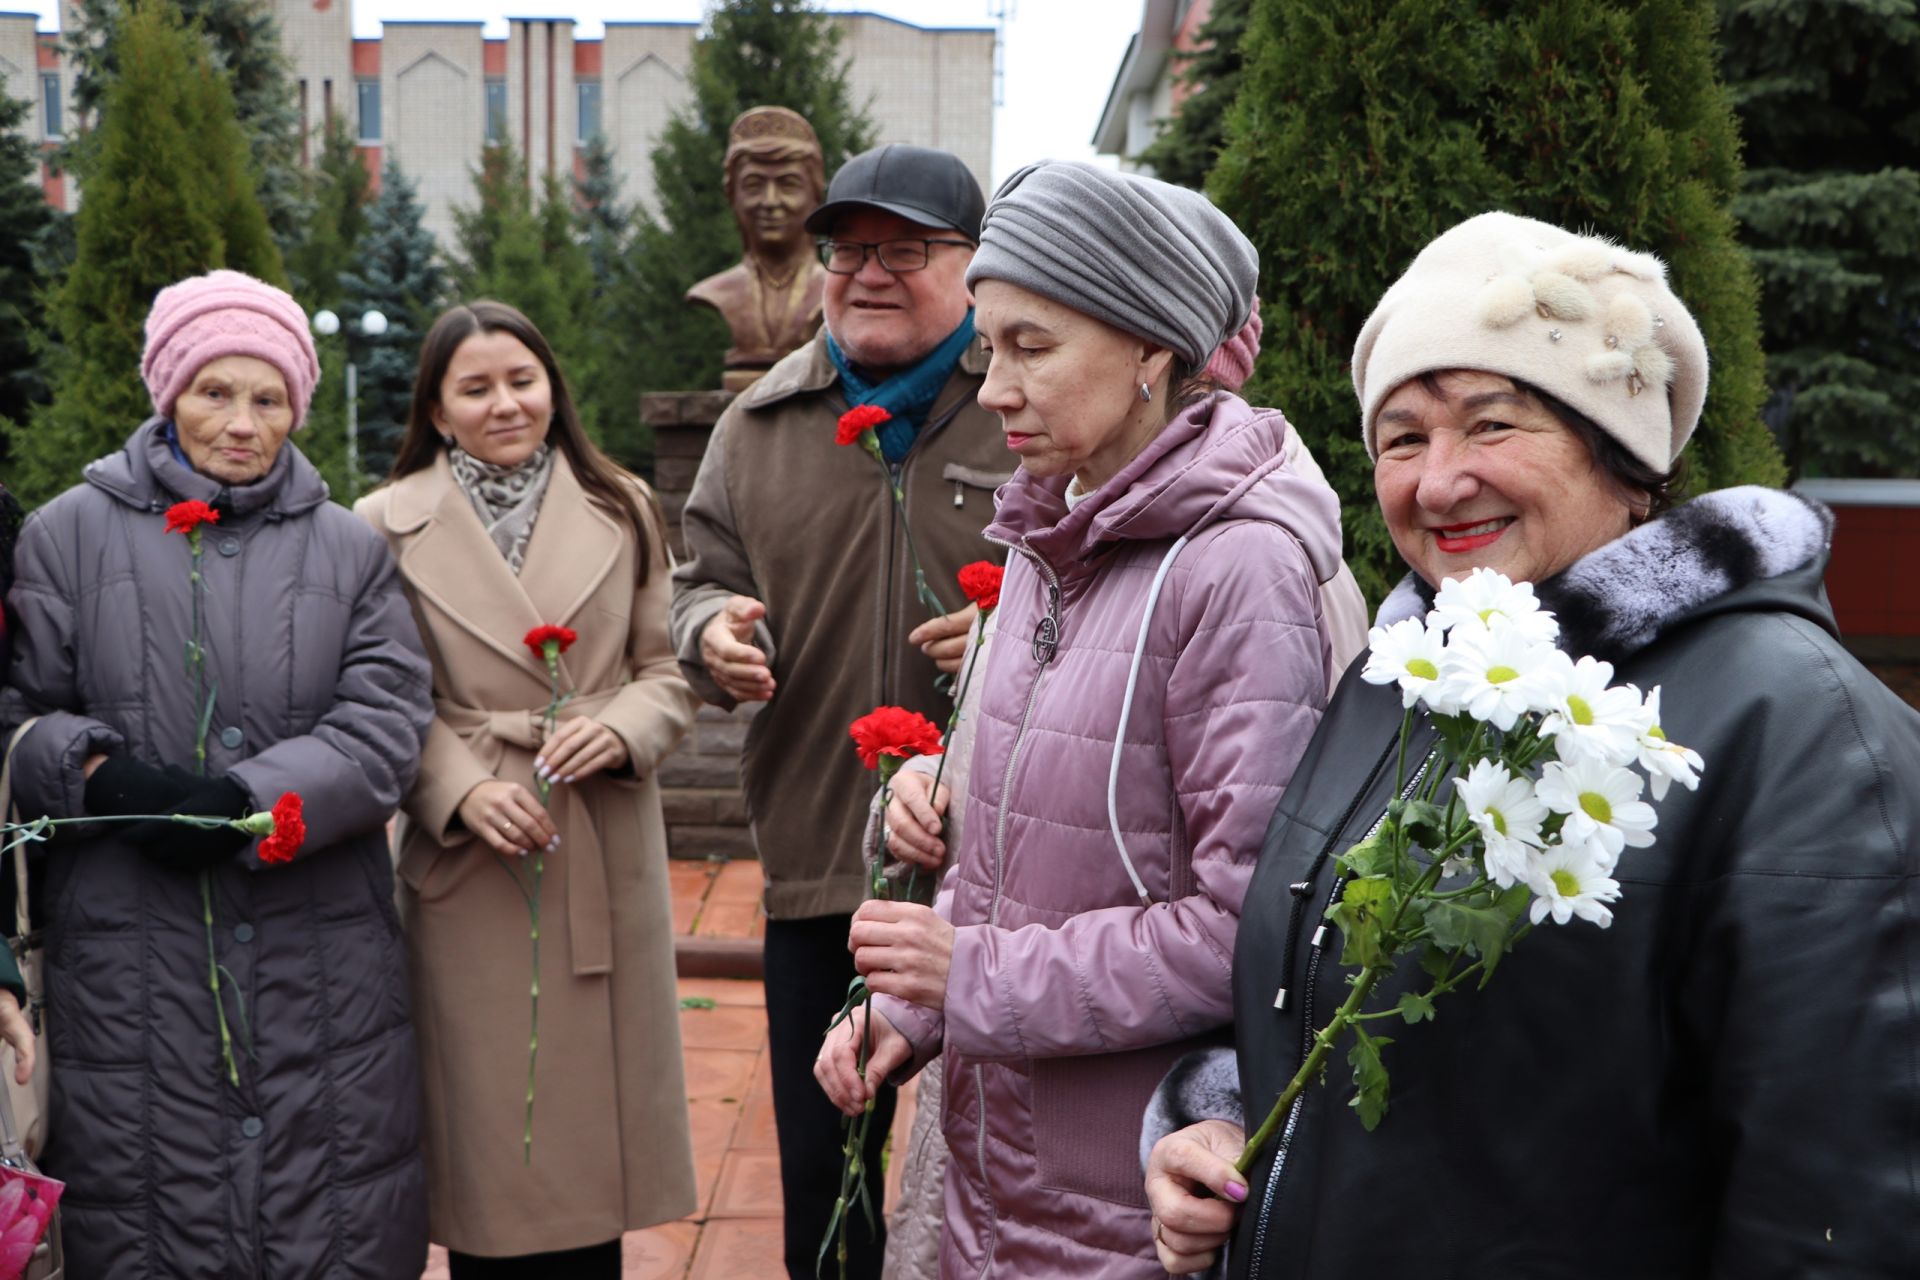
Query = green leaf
x=1437 y=961
x=1369 y=1077
x=1416 y=1006
x=1361 y=917
x=1425 y=824
x=1372 y=856
x=1481 y=930
x=698 y=1002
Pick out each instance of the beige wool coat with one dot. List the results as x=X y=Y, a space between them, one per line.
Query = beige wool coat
x=611 y=1148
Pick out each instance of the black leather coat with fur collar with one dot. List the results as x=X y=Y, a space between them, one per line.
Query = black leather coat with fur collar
x=1723 y=1083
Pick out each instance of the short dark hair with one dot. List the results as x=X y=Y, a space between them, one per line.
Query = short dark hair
x=1646 y=491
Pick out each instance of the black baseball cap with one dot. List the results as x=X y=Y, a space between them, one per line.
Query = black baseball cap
x=922 y=184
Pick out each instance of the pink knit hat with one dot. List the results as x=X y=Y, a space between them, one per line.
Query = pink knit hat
x=1232 y=362
x=226 y=313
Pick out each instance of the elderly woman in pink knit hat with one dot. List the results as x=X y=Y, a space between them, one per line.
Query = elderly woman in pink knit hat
x=1720 y=1084
x=236 y=1091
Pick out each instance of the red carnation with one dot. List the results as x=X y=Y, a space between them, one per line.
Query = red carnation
x=289 y=830
x=860 y=418
x=894 y=731
x=546 y=633
x=980 y=581
x=185 y=517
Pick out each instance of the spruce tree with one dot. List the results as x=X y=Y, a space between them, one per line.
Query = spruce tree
x=338 y=191
x=243 y=39
x=1829 y=101
x=167 y=193
x=1188 y=142
x=396 y=271
x=25 y=220
x=611 y=395
x=778 y=53
x=1364 y=128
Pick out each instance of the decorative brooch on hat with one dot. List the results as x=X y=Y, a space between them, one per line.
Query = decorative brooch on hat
x=1563 y=289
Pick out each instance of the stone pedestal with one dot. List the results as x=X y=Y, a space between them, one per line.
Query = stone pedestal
x=700 y=782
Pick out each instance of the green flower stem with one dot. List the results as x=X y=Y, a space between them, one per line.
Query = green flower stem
x=1348 y=1014
x=213 y=981
x=203 y=714
x=953 y=722
x=533 y=1038
x=1323 y=1043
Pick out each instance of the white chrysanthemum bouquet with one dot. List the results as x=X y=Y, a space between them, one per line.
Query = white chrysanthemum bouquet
x=1519 y=815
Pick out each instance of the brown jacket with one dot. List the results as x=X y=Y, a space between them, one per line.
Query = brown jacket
x=611 y=1150
x=781 y=513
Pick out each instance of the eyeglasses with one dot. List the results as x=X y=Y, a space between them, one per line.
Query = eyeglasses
x=846 y=257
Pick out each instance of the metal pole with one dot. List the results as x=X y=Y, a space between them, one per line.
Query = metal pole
x=353 y=431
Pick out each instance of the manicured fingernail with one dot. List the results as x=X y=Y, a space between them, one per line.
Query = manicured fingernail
x=554 y=843
x=568 y=778
x=539 y=763
x=1236 y=1192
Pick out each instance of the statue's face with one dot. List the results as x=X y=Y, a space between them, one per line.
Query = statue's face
x=771 y=200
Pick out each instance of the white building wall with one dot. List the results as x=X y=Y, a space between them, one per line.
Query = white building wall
x=318 y=43
x=20 y=67
x=643 y=80
x=541 y=105
x=432 y=105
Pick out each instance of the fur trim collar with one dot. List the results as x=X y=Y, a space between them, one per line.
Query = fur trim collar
x=1616 y=600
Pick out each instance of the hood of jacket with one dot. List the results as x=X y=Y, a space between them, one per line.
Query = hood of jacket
x=1218 y=459
x=1733 y=550
x=145 y=475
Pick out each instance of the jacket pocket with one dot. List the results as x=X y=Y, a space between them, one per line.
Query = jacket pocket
x=1086 y=1120
x=964 y=478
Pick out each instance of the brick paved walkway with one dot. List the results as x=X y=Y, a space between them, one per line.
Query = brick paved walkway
x=736 y=1230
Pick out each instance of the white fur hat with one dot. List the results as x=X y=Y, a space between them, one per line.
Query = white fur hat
x=1579 y=317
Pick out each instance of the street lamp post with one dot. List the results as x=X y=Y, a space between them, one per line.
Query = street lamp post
x=372 y=324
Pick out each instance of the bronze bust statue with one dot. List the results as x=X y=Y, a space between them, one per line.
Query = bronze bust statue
x=775 y=177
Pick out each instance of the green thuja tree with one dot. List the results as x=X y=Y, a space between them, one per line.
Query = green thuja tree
x=338 y=192
x=1188 y=142
x=753 y=53
x=242 y=39
x=1829 y=100
x=166 y=192
x=531 y=253
x=25 y=222
x=397 y=272
x=611 y=396
x=1364 y=128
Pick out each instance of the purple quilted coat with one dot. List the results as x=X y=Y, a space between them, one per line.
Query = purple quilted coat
x=1078 y=973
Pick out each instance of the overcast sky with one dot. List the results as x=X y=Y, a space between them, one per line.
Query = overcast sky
x=1060 y=59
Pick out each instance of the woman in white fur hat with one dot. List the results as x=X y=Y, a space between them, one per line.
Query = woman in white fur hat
x=1724 y=1082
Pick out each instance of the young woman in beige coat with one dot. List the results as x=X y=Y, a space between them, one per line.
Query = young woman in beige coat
x=502 y=517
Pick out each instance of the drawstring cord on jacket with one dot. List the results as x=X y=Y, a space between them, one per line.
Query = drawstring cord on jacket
x=1126 y=711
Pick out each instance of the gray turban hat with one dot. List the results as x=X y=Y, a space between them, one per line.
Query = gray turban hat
x=1145 y=256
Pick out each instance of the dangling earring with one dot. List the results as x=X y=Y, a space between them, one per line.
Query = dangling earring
x=1146 y=393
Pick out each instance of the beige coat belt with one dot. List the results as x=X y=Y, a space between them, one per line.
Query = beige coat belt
x=488 y=734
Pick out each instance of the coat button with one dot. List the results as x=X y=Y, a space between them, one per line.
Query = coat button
x=231 y=737
x=229 y=546
x=252 y=1126
x=243 y=933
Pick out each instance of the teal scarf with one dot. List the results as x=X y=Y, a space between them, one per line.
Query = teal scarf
x=907 y=395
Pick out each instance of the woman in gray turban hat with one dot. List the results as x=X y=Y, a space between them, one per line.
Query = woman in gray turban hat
x=1159 y=662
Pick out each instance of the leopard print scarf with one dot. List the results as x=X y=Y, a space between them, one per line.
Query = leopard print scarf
x=507 y=499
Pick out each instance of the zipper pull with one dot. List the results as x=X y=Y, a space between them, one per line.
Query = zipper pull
x=1280 y=999
x=1046 y=632
x=1319 y=937
x=959 y=495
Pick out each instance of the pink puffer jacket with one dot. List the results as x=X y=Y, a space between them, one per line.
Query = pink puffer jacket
x=1069 y=995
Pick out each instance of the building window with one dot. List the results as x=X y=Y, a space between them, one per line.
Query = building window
x=589 y=95
x=496 y=112
x=50 y=99
x=368 y=92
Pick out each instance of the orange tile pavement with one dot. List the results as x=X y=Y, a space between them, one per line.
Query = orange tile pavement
x=736 y=1229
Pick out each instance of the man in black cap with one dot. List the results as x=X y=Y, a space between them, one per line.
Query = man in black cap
x=799 y=593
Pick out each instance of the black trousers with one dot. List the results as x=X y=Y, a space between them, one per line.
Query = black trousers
x=595 y=1262
x=808 y=968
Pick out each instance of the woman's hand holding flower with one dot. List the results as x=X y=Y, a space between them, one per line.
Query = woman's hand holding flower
x=944 y=639
x=508 y=818
x=913 y=820
x=838 y=1066
x=903 y=950
x=1189 y=1228
x=578 y=749
x=18 y=1034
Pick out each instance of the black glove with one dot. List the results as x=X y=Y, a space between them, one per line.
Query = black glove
x=184 y=847
x=122 y=785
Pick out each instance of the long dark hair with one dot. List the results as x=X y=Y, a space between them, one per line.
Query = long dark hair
x=608 y=485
